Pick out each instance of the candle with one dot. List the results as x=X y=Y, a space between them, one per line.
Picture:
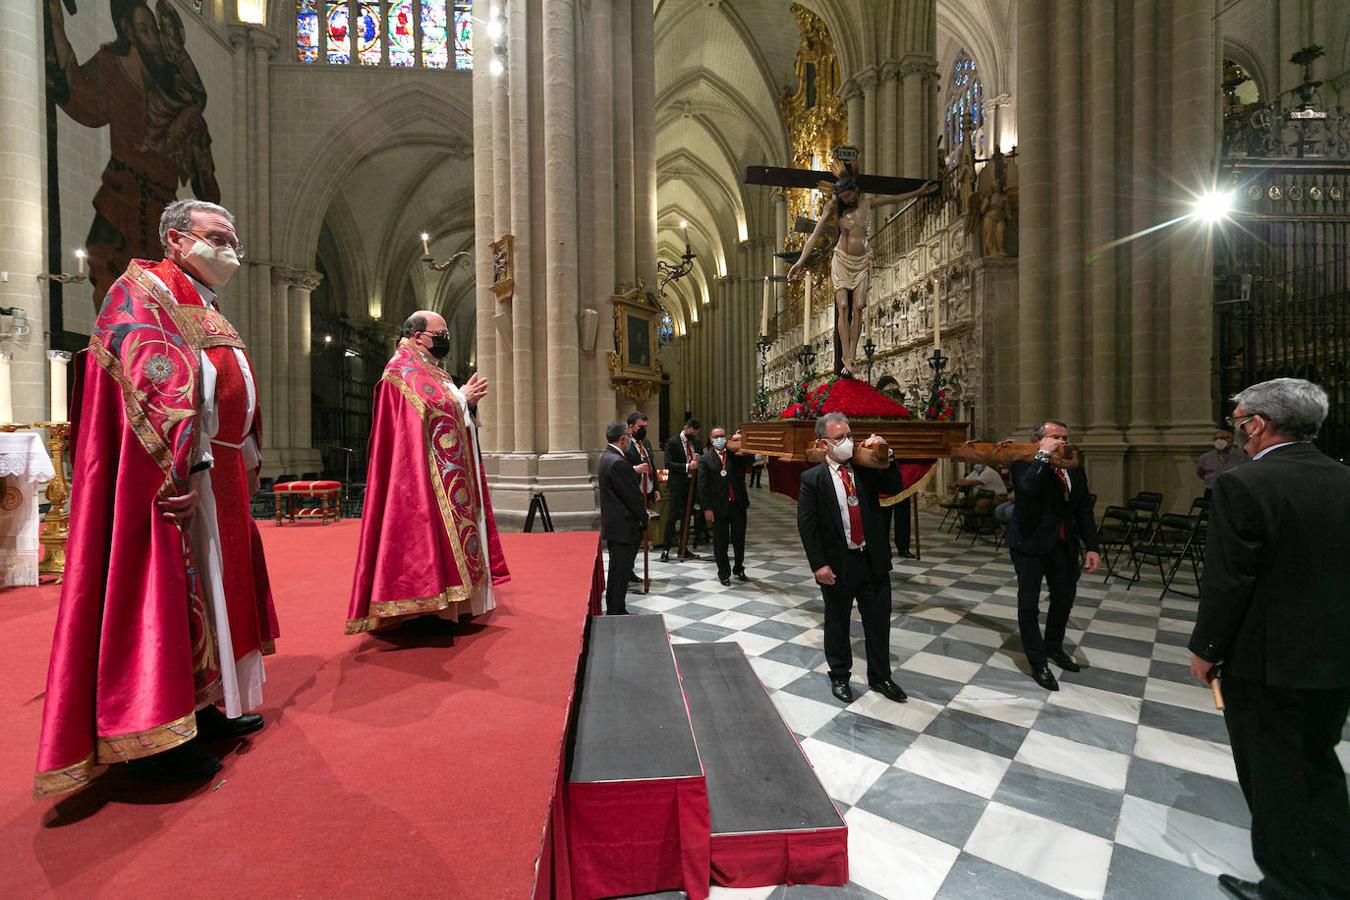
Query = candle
x=806 y=313
x=79 y=262
x=937 y=318
x=764 y=311
x=6 y=395
x=426 y=244
x=59 y=359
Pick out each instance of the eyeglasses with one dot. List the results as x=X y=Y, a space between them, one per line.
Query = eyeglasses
x=445 y=332
x=220 y=241
x=836 y=441
x=1235 y=421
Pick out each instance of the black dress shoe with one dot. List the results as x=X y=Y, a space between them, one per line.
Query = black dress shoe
x=633 y=578
x=665 y=556
x=741 y=576
x=841 y=689
x=184 y=763
x=213 y=725
x=1063 y=660
x=1236 y=887
x=890 y=690
x=725 y=581
x=1041 y=675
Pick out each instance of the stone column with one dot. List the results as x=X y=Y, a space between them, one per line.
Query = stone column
x=22 y=175
x=484 y=234
x=279 y=420
x=916 y=131
x=852 y=96
x=1034 y=357
x=302 y=284
x=625 y=260
x=891 y=128
x=601 y=255
x=780 y=267
x=868 y=81
x=521 y=319
x=644 y=150
x=501 y=322
x=1069 y=144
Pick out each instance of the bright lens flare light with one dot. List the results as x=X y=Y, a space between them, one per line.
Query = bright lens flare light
x=1214 y=206
x=496 y=67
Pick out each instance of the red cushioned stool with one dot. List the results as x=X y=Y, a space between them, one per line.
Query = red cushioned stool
x=290 y=497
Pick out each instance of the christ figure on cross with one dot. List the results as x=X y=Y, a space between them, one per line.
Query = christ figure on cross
x=851 y=261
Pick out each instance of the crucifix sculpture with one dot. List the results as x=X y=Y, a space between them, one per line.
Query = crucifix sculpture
x=852 y=198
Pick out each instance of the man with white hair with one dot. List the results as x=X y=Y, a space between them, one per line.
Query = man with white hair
x=1274 y=626
x=165 y=608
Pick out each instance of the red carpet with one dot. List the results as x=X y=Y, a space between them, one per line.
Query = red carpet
x=396 y=766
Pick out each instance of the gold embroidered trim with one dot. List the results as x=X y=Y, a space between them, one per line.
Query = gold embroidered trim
x=384 y=613
x=138 y=744
x=912 y=489
x=64 y=781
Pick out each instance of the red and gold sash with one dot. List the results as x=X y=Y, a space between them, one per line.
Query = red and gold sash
x=450 y=455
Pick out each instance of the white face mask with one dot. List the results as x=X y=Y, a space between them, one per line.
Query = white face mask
x=1221 y=445
x=842 y=452
x=216 y=265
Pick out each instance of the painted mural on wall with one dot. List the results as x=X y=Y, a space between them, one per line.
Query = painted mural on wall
x=143 y=87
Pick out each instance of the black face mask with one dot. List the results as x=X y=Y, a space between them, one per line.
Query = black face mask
x=641 y=433
x=440 y=346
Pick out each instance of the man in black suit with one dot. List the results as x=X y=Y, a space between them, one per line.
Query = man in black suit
x=682 y=453
x=1052 y=517
x=846 y=535
x=639 y=455
x=1274 y=626
x=721 y=491
x=623 y=515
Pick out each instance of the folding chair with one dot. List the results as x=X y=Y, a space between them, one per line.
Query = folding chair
x=1171 y=543
x=1147 y=507
x=953 y=506
x=977 y=516
x=1116 y=534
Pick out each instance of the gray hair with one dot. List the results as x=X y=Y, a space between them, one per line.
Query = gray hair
x=413 y=324
x=1039 y=431
x=1294 y=407
x=824 y=421
x=614 y=431
x=178 y=216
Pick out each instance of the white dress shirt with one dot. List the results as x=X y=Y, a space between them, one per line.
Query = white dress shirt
x=842 y=497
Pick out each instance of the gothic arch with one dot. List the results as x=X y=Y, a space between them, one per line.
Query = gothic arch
x=397 y=117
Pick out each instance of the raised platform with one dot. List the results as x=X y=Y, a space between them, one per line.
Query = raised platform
x=636 y=800
x=391 y=765
x=772 y=821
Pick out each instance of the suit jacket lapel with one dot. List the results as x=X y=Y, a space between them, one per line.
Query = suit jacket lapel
x=826 y=488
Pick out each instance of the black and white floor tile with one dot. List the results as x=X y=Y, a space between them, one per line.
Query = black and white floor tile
x=1119 y=785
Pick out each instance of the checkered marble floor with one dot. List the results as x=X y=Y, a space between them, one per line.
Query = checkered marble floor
x=1119 y=785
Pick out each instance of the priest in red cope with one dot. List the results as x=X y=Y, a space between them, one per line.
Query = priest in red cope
x=429 y=545
x=165 y=609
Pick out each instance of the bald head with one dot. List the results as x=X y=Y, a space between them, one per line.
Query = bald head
x=423 y=320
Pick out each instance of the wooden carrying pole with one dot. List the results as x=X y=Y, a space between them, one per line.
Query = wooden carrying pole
x=688 y=511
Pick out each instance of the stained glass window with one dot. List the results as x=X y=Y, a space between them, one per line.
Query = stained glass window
x=306 y=32
x=435 y=54
x=965 y=94
x=402 y=43
x=440 y=27
x=463 y=34
x=368 y=47
x=339 y=41
x=665 y=329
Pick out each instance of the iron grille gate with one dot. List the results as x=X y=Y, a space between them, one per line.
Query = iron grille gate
x=1282 y=285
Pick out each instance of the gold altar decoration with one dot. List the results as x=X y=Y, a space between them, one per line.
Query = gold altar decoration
x=634 y=370
x=56 y=524
x=817 y=122
x=503 y=268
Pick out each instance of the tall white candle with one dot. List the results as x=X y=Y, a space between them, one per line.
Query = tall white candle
x=806 y=313
x=937 y=317
x=6 y=391
x=59 y=360
x=426 y=244
x=764 y=312
x=79 y=262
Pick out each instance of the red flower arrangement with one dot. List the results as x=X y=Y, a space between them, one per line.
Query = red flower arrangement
x=850 y=396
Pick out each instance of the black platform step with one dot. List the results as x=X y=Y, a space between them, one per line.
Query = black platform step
x=632 y=723
x=772 y=821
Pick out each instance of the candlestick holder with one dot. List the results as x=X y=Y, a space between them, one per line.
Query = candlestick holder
x=430 y=261
x=869 y=350
x=56 y=524
x=762 y=398
x=806 y=359
x=937 y=362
